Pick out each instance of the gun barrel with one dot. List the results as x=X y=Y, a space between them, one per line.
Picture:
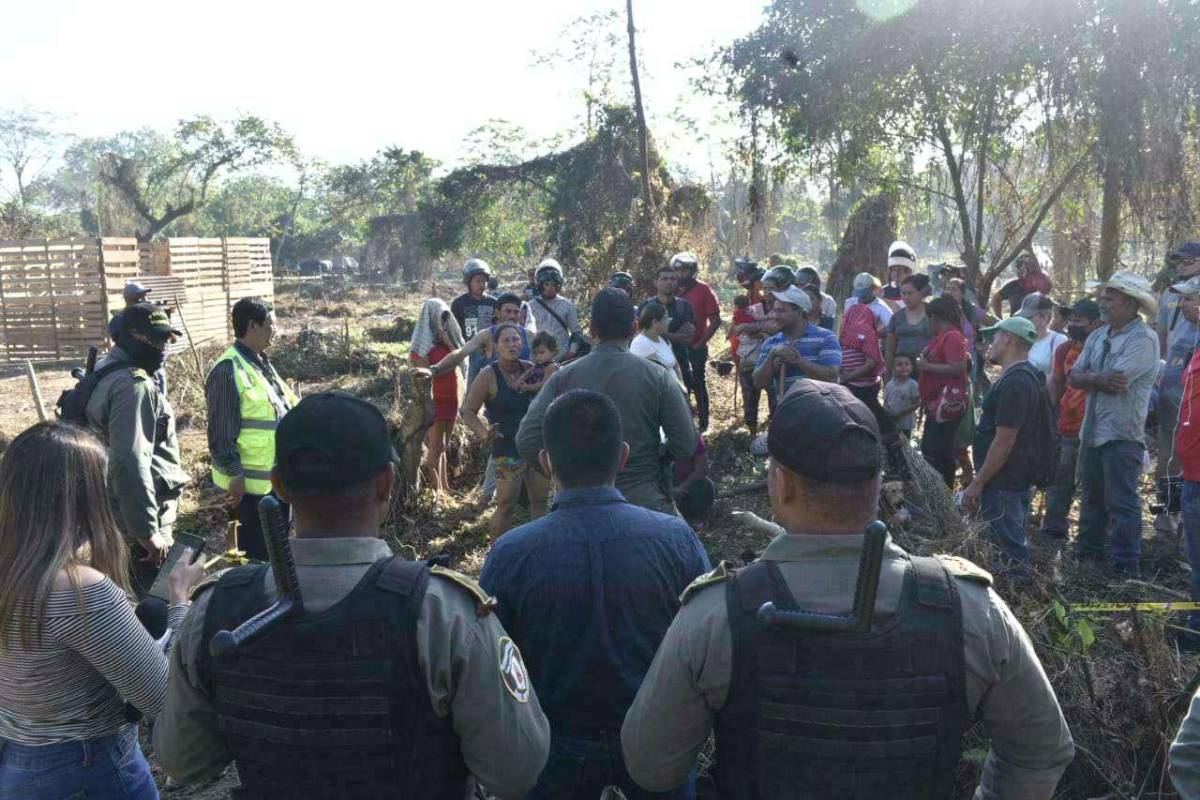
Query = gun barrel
x=279 y=550
x=226 y=643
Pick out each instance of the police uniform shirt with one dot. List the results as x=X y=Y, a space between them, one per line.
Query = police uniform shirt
x=504 y=735
x=1006 y=687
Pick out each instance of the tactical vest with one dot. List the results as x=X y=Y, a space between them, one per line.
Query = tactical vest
x=332 y=704
x=262 y=407
x=843 y=716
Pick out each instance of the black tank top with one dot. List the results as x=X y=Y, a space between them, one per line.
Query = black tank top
x=507 y=409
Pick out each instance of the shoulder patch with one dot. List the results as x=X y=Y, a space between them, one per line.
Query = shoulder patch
x=206 y=582
x=710 y=578
x=961 y=568
x=512 y=670
x=484 y=603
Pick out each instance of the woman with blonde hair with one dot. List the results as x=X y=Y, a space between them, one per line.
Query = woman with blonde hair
x=76 y=665
x=435 y=336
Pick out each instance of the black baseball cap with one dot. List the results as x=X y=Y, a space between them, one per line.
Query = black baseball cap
x=1086 y=308
x=150 y=320
x=813 y=429
x=331 y=441
x=1185 y=252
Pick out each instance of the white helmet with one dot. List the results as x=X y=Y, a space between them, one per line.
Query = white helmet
x=685 y=259
x=475 y=266
x=548 y=270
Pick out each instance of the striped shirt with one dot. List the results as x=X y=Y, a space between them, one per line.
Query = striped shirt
x=75 y=682
x=815 y=344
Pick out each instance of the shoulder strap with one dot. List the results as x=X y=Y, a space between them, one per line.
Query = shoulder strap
x=398 y=575
x=933 y=583
x=557 y=318
x=108 y=369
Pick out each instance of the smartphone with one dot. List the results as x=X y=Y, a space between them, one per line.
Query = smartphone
x=182 y=540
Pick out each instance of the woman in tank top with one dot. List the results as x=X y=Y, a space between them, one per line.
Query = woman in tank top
x=908 y=331
x=497 y=389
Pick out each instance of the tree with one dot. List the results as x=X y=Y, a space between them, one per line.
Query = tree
x=164 y=186
x=639 y=112
x=27 y=137
x=935 y=79
x=592 y=43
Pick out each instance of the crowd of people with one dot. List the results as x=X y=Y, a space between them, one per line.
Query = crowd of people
x=599 y=648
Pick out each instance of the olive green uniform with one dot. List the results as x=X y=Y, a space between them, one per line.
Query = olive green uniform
x=1006 y=687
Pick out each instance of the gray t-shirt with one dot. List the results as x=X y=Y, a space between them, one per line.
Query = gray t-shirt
x=911 y=340
x=1133 y=351
x=897 y=395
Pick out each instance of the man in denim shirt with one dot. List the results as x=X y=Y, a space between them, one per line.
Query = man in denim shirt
x=587 y=593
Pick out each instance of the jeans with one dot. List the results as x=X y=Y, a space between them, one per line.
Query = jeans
x=579 y=768
x=1061 y=494
x=1108 y=477
x=697 y=381
x=751 y=395
x=937 y=445
x=1190 y=507
x=1005 y=512
x=250 y=532
x=104 y=768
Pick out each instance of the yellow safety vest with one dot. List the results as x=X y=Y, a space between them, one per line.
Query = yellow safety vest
x=261 y=407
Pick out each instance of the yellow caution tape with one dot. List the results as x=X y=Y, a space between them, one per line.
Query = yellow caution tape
x=1110 y=608
x=232 y=556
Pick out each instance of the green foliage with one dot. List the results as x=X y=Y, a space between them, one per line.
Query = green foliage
x=1073 y=633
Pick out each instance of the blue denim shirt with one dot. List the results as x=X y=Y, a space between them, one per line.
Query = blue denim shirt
x=587 y=592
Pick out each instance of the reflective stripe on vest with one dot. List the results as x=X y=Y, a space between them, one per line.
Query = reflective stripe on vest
x=261 y=407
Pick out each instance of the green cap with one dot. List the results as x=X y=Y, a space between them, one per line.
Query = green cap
x=1017 y=326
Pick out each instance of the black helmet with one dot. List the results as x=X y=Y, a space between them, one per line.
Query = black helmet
x=476 y=266
x=548 y=271
x=747 y=269
x=621 y=280
x=782 y=276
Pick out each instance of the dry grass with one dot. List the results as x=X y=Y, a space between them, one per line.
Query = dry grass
x=1123 y=696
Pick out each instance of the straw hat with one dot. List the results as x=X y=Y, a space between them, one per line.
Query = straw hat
x=1135 y=286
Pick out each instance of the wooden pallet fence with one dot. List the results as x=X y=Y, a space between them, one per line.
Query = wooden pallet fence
x=56 y=296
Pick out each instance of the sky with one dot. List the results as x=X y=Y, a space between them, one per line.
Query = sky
x=346 y=77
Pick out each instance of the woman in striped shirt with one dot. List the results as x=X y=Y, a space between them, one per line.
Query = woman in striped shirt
x=74 y=660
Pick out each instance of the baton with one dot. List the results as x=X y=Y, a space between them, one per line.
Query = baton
x=865 y=588
x=283 y=566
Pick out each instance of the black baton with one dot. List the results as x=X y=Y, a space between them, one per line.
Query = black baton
x=283 y=566
x=865 y=588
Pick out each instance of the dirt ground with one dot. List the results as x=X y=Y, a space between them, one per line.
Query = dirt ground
x=1122 y=684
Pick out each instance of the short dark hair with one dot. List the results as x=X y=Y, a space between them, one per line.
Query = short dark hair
x=544 y=339
x=918 y=281
x=661 y=270
x=945 y=309
x=612 y=314
x=582 y=432
x=651 y=313
x=508 y=299
x=247 y=310
x=813 y=277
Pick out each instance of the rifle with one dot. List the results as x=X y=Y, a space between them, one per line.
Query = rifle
x=865 y=589
x=283 y=566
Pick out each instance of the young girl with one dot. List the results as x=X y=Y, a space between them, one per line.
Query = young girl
x=544 y=348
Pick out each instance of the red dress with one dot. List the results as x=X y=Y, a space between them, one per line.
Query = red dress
x=445 y=386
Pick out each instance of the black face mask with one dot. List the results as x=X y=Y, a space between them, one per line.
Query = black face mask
x=1077 y=332
x=142 y=354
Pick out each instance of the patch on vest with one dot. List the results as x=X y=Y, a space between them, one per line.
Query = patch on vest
x=206 y=582
x=961 y=568
x=512 y=670
x=718 y=575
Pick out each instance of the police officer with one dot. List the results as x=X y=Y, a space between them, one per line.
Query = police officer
x=396 y=681
x=133 y=294
x=803 y=713
x=130 y=412
x=246 y=398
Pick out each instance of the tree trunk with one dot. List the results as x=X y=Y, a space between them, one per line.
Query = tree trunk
x=1110 y=220
x=643 y=145
x=870 y=228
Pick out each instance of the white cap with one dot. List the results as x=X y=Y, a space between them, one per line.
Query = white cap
x=795 y=296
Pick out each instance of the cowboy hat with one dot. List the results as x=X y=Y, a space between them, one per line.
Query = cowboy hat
x=1135 y=286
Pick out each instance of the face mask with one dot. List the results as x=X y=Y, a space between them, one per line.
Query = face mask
x=1077 y=332
x=142 y=354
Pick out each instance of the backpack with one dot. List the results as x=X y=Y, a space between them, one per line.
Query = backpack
x=1046 y=436
x=72 y=403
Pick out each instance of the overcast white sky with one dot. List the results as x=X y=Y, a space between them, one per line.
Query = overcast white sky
x=345 y=77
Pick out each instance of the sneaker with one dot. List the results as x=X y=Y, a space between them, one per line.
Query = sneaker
x=758 y=447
